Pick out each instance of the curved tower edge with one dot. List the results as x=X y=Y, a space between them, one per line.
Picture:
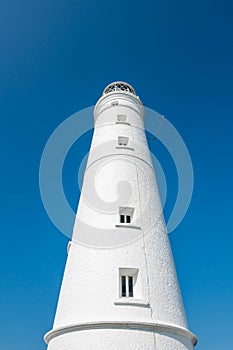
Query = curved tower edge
x=129 y=325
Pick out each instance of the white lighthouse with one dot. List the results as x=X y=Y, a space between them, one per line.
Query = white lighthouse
x=120 y=289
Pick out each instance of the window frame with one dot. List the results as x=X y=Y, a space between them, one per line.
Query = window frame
x=121 y=118
x=125 y=219
x=123 y=141
x=126 y=215
x=114 y=103
x=126 y=283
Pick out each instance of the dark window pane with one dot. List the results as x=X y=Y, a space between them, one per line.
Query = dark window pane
x=130 y=281
x=127 y=219
x=122 y=218
x=123 y=286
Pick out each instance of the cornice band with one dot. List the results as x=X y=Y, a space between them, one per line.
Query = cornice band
x=143 y=326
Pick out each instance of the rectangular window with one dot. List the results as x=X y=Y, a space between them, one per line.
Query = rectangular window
x=123 y=141
x=115 y=103
x=126 y=215
x=122 y=218
x=125 y=219
x=121 y=117
x=123 y=286
x=126 y=286
x=130 y=282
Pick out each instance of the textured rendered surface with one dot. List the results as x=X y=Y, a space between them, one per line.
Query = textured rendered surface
x=117 y=177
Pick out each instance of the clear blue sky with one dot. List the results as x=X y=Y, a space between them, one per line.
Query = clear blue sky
x=56 y=58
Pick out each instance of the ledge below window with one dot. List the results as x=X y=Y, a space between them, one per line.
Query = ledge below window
x=126 y=123
x=128 y=226
x=125 y=147
x=131 y=301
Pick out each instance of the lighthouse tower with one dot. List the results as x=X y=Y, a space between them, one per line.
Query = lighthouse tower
x=120 y=288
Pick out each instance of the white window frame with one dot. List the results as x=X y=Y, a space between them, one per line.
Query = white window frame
x=123 y=141
x=127 y=289
x=115 y=103
x=126 y=212
x=128 y=273
x=121 y=117
x=125 y=219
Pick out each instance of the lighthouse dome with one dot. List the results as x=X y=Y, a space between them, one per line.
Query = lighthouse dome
x=119 y=86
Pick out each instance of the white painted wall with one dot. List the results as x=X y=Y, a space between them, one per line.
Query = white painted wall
x=90 y=288
x=119 y=339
